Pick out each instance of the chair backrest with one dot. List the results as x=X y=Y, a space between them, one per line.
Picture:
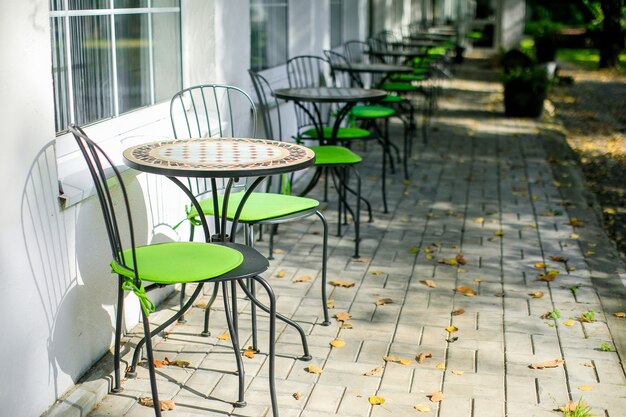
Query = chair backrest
x=99 y=165
x=342 y=78
x=266 y=100
x=356 y=51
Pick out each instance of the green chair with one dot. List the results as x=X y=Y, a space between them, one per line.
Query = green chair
x=158 y=265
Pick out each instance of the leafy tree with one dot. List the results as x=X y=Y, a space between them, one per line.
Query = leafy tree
x=611 y=36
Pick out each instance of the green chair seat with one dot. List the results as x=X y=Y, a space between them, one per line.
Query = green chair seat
x=342 y=133
x=371 y=112
x=398 y=86
x=334 y=155
x=409 y=77
x=179 y=262
x=259 y=206
x=392 y=99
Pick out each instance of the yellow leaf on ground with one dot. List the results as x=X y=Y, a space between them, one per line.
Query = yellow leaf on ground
x=451 y=329
x=440 y=365
x=458 y=312
x=165 y=405
x=280 y=274
x=404 y=361
x=436 y=396
x=479 y=220
x=569 y=323
x=540 y=265
x=429 y=283
x=414 y=249
x=609 y=210
x=423 y=356
x=375 y=371
x=347 y=325
x=180 y=363
x=588 y=364
x=277 y=251
x=158 y=363
x=576 y=222
x=376 y=400
x=452 y=261
x=574 y=236
x=303 y=278
x=330 y=303
x=341 y=283
x=466 y=291
x=249 y=353
x=478 y=280
x=585 y=387
x=457 y=372
x=536 y=294
x=313 y=369
x=572 y=406
x=337 y=343
x=343 y=316
x=559 y=259
x=422 y=408
x=554 y=363
x=394 y=359
x=461 y=270
x=384 y=301
x=620 y=314
x=297 y=395
x=430 y=257
x=553 y=272
x=224 y=336
x=460 y=258
x=377 y=273
x=546 y=277
x=200 y=304
x=362 y=260
x=499 y=233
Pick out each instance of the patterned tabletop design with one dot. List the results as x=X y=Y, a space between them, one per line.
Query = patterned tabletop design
x=218 y=157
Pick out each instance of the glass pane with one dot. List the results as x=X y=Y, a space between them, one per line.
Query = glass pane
x=167 y=55
x=268 y=34
x=59 y=74
x=335 y=23
x=130 y=4
x=91 y=68
x=165 y=3
x=133 y=61
x=56 y=5
x=88 y=4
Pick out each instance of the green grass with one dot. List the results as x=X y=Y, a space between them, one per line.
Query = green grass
x=586 y=58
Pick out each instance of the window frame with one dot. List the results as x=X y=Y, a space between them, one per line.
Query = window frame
x=339 y=4
x=286 y=6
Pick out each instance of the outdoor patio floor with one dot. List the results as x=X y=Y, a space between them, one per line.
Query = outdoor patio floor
x=505 y=193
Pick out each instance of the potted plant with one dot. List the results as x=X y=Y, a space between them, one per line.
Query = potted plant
x=525 y=90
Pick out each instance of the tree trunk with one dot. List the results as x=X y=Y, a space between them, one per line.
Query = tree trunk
x=611 y=35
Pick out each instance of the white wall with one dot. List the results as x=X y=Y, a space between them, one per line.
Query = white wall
x=512 y=17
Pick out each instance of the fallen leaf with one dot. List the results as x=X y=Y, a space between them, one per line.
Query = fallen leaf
x=179 y=362
x=394 y=359
x=376 y=400
x=540 y=265
x=572 y=406
x=362 y=260
x=224 y=336
x=303 y=278
x=200 y=304
x=499 y=233
x=277 y=251
x=576 y=222
x=343 y=316
x=347 y=326
x=452 y=262
x=477 y=280
x=337 y=343
x=452 y=329
x=404 y=361
x=461 y=270
x=466 y=291
x=249 y=353
x=536 y=294
x=313 y=369
x=574 y=236
x=158 y=363
x=429 y=283
x=375 y=371
x=297 y=395
x=330 y=303
x=479 y=220
x=164 y=405
x=440 y=365
x=377 y=273
x=423 y=356
x=620 y=314
x=280 y=274
x=414 y=249
x=422 y=408
x=436 y=396
x=588 y=364
x=458 y=312
x=559 y=259
x=452 y=339
x=430 y=257
x=554 y=363
x=609 y=210
x=585 y=387
x=569 y=323
x=341 y=283
x=460 y=258
x=546 y=277
x=456 y=372
x=384 y=301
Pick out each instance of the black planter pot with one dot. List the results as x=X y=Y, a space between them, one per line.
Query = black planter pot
x=520 y=100
x=545 y=48
x=458 y=54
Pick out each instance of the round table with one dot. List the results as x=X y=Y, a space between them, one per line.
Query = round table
x=212 y=158
x=372 y=68
x=406 y=54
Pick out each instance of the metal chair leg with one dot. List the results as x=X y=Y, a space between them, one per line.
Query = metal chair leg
x=357 y=215
x=151 y=370
x=252 y=286
x=207 y=311
x=117 y=386
x=181 y=303
x=326 y=321
x=235 y=343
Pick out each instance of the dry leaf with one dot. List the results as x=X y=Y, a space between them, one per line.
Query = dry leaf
x=436 y=396
x=375 y=371
x=452 y=261
x=423 y=356
x=569 y=323
x=303 y=278
x=588 y=364
x=414 y=249
x=559 y=259
x=384 y=301
x=157 y=363
x=277 y=251
x=499 y=233
x=377 y=273
x=337 y=343
x=347 y=325
x=466 y=291
x=429 y=283
x=536 y=294
x=620 y=314
x=280 y=274
x=576 y=222
x=585 y=387
x=341 y=283
x=572 y=406
x=422 y=408
x=224 y=336
x=461 y=270
x=165 y=405
x=574 y=236
x=478 y=280
x=451 y=329
x=460 y=258
x=394 y=359
x=456 y=372
x=343 y=316
x=458 y=312
x=440 y=365
x=179 y=362
x=554 y=363
x=297 y=395
x=200 y=304
x=546 y=277
x=362 y=260
x=313 y=369
x=430 y=257
x=376 y=400
x=479 y=220
x=404 y=361
x=249 y=353
x=330 y=303
x=540 y=265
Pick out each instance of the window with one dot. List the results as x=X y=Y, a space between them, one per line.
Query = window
x=113 y=56
x=336 y=23
x=268 y=33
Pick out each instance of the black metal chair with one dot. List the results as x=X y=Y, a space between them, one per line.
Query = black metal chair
x=167 y=264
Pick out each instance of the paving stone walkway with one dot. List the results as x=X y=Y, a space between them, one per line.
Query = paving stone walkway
x=504 y=193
